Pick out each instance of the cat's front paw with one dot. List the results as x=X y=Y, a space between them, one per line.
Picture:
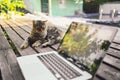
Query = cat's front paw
x=23 y=46
x=36 y=44
x=44 y=45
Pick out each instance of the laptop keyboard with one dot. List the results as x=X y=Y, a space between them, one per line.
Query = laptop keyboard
x=60 y=69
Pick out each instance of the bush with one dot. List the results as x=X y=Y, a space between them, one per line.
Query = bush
x=10 y=7
x=105 y=45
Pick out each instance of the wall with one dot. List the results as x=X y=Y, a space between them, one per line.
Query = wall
x=32 y=5
x=55 y=9
x=68 y=10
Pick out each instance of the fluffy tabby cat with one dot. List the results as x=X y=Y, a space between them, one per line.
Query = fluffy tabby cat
x=42 y=35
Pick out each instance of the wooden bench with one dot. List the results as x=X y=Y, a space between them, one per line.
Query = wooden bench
x=13 y=33
x=8 y=64
x=110 y=66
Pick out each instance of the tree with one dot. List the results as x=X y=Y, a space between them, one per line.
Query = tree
x=8 y=6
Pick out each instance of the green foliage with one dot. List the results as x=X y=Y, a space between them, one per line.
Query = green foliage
x=78 y=42
x=10 y=7
x=105 y=45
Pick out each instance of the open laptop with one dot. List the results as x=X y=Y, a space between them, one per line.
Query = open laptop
x=84 y=45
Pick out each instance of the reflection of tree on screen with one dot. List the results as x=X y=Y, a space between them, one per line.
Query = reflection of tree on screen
x=77 y=41
x=81 y=43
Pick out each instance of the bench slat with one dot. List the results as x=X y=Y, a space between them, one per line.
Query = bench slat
x=4 y=43
x=1 y=32
x=23 y=25
x=117 y=37
x=5 y=68
x=28 y=23
x=17 y=41
x=112 y=61
x=12 y=61
x=115 y=46
x=108 y=73
x=20 y=31
x=114 y=52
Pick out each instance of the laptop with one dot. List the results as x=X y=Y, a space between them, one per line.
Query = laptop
x=78 y=57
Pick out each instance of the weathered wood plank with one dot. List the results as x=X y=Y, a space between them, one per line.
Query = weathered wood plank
x=112 y=61
x=25 y=22
x=115 y=46
x=4 y=43
x=114 y=52
x=23 y=26
x=108 y=73
x=1 y=32
x=117 y=37
x=12 y=69
x=17 y=40
x=5 y=68
x=117 y=42
x=12 y=61
x=18 y=30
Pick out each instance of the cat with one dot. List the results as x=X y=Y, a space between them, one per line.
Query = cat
x=42 y=35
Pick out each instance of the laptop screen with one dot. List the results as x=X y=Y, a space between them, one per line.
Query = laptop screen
x=86 y=44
